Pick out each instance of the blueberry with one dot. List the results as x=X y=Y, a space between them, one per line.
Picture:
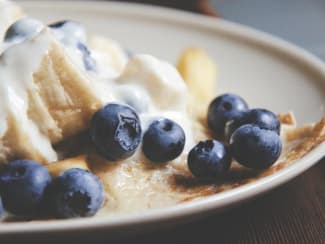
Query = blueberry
x=163 y=141
x=75 y=193
x=58 y=24
x=89 y=62
x=22 y=184
x=223 y=109
x=116 y=131
x=255 y=147
x=69 y=32
x=209 y=159
x=262 y=118
x=25 y=28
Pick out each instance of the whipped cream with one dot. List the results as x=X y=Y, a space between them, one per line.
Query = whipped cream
x=107 y=55
x=70 y=33
x=16 y=76
x=158 y=85
x=9 y=12
x=153 y=87
x=22 y=29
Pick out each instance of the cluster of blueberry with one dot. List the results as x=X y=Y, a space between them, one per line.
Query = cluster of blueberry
x=74 y=34
x=27 y=189
x=251 y=136
x=116 y=133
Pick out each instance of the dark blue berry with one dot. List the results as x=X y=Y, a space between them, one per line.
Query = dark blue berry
x=116 y=131
x=255 y=147
x=75 y=193
x=163 y=141
x=89 y=62
x=223 y=109
x=58 y=24
x=22 y=184
x=22 y=29
x=136 y=98
x=262 y=118
x=129 y=53
x=209 y=159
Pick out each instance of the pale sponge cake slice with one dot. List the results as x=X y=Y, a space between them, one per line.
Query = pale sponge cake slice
x=45 y=98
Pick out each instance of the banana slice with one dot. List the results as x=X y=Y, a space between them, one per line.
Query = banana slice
x=53 y=96
x=48 y=100
x=66 y=94
x=200 y=74
x=60 y=166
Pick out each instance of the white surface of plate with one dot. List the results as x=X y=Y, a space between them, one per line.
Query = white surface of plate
x=266 y=71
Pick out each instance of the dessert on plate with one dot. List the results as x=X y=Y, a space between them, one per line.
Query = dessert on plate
x=87 y=129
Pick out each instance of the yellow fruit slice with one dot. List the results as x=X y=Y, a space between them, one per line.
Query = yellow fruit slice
x=200 y=74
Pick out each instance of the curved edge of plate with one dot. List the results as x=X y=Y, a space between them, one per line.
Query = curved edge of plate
x=240 y=31
x=208 y=204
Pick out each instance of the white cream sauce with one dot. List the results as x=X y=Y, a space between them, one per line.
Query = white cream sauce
x=16 y=78
x=72 y=33
x=9 y=12
x=152 y=86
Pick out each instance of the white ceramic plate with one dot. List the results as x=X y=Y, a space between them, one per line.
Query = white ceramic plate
x=266 y=71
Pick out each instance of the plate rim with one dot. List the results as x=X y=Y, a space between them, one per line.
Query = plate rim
x=210 y=203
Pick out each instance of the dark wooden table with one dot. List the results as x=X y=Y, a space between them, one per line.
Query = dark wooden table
x=292 y=213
